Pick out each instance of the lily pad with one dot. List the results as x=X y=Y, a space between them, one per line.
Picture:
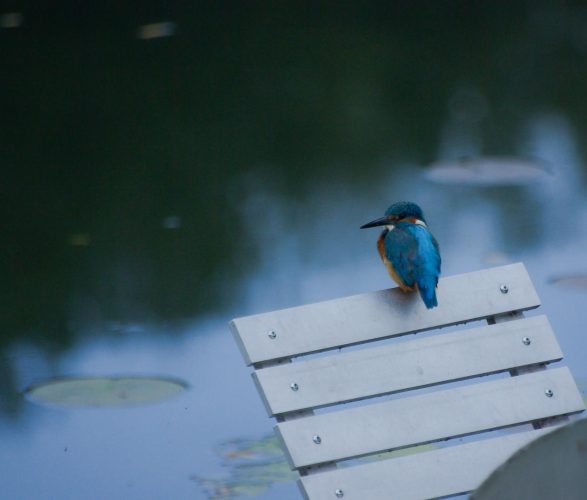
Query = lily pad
x=487 y=171
x=103 y=391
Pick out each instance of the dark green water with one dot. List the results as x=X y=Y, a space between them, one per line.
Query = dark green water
x=152 y=189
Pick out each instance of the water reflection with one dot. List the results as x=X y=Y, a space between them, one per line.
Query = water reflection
x=487 y=172
x=11 y=20
x=153 y=189
x=251 y=468
x=156 y=30
x=578 y=281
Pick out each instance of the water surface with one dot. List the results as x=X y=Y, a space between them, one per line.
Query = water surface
x=156 y=186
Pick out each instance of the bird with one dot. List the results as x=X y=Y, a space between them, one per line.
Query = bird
x=409 y=250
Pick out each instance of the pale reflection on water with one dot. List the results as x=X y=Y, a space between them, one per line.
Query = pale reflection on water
x=310 y=249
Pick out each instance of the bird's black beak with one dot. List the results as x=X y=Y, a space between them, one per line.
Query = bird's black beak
x=382 y=221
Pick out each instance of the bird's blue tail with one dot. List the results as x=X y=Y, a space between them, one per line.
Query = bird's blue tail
x=427 y=289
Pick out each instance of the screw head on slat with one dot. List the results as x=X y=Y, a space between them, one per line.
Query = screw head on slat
x=293 y=386
x=339 y=493
x=271 y=334
x=504 y=288
x=526 y=341
x=548 y=393
x=317 y=439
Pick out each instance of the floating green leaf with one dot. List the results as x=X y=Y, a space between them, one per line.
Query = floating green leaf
x=103 y=391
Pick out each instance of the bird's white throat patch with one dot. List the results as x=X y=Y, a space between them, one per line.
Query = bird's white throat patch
x=418 y=222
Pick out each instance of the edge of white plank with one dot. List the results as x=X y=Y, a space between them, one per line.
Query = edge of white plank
x=412 y=364
x=432 y=474
x=405 y=422
x=382 y=314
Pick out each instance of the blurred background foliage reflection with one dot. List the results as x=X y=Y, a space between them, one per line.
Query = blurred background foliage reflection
x=128 y=151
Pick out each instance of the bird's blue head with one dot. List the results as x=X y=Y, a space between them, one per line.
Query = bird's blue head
x=405 y=210
x=402 y=210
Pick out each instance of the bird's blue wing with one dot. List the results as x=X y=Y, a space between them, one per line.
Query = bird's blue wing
x=401 y=249
x=414 y=254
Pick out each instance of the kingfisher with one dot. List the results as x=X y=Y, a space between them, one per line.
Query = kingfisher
x=408 y=250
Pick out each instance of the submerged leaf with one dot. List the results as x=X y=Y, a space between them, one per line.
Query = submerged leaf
x=252 y=466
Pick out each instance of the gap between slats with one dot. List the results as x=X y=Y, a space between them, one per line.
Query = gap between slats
x=433 y=474
x=410 y=421
x=414 y=364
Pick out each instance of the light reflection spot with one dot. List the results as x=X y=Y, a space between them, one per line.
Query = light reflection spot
x=11 y=20
x=486 y=171
x=156 y=30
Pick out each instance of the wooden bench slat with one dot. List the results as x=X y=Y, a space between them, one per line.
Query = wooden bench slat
x=433 y=474
x=411 y=364
x=429 y=417
x=382 y=314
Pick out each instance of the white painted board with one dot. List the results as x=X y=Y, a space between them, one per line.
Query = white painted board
x=405 y=365
x=432 y=474
x=382 y=314
x=429 y=417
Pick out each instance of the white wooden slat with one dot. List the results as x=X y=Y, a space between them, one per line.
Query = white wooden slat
x=433 y=474
x=411 y=364
x=381 y=314
x=429 y=417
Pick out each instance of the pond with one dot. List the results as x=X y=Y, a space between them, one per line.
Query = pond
x=168 y=171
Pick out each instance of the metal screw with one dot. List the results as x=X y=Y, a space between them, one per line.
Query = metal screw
x=548 y=393
x=294 y=386
x=504 y=289
x=317 y=439
x=339 y=493
x=271 y=334
x=526 y=341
